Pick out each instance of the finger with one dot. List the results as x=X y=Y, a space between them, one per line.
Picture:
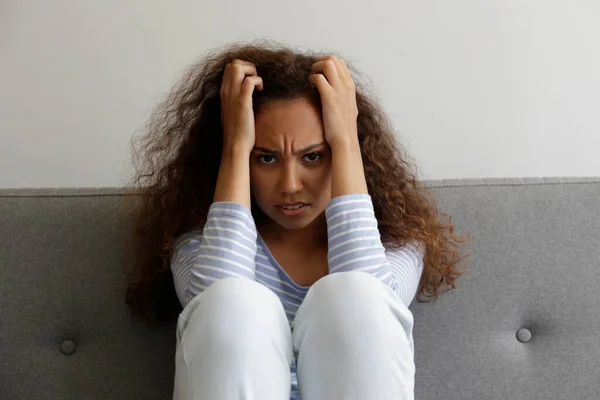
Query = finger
x=342 y=69
x=232 y=71
x=242 y=62
x=320 y=82
x=329 y=69
x=249 y=84
x=234 y=75
x=239 y=71
x=345 y=70
x=225 y=82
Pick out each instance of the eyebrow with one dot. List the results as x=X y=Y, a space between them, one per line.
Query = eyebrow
x=304 y=150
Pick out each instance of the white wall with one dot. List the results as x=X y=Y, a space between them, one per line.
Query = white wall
x=497 y=88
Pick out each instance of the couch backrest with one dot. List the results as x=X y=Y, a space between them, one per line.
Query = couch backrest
x=522 y=323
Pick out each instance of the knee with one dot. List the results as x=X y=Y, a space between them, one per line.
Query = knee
x=233 y=310
x=341 y=290
x=353 y=303
x=239 y=296
x=231 y=326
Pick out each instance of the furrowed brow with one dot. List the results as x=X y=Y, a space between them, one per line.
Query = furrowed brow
x=304 y=150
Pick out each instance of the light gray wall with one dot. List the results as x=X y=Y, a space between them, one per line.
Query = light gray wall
x=475 y=88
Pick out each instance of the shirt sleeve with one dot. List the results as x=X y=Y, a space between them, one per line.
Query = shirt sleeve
x=355 y=245
x=225 y=247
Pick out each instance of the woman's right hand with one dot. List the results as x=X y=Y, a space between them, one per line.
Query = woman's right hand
x=237 y=116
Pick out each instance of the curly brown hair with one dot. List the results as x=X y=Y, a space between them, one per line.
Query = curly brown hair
x=177 y=162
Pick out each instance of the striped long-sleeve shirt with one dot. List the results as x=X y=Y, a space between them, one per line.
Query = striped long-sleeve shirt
x=230 y=246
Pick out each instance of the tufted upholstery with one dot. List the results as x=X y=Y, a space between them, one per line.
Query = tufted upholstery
x=523 y=323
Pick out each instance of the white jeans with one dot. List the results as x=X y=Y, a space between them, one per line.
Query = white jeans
x=352 y=336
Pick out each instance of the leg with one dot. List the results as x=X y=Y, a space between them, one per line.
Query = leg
x=354 y=341
x=233 y=342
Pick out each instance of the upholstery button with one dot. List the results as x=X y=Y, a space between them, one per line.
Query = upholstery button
x=67 y=347
x=523 y=335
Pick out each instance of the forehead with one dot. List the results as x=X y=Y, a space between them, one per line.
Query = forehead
x=289 y=120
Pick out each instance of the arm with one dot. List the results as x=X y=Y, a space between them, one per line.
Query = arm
x=353 y=236
x=347 y=171
x=226 y=247
x=355 y=245
x=233 y=182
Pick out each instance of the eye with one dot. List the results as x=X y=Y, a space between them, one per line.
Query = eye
x=266 y=158
x=313 y=157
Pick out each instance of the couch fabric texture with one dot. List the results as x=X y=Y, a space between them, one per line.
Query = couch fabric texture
x=522 y=323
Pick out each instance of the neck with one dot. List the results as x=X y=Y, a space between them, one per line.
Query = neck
x=311 y=237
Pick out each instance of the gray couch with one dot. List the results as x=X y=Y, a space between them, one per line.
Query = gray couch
x=523 y=323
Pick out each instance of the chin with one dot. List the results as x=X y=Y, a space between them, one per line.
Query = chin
x=294 y=225
x=291 y=223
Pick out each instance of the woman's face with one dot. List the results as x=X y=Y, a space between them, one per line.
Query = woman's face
x=290 y=163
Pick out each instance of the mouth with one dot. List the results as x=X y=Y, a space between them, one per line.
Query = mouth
x=293 y=209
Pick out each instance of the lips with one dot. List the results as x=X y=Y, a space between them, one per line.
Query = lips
x=298 y=209
x=293 y=205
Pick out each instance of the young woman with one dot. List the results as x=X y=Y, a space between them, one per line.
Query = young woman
x=279 y=208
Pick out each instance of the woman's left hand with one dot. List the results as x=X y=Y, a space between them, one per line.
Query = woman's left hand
x=336 y=87
x=338 y=98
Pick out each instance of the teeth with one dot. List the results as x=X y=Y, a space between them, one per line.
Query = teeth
x=292 y=207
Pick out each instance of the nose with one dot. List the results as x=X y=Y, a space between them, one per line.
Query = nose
x=290 y=181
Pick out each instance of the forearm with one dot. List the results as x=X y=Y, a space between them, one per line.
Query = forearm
x=353 y=238
x=226 y=247
x=233 y=182
x=347 y=172
x=354 y=241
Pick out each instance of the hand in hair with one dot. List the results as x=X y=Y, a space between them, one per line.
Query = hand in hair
x=337 y=89
x=237 y=117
